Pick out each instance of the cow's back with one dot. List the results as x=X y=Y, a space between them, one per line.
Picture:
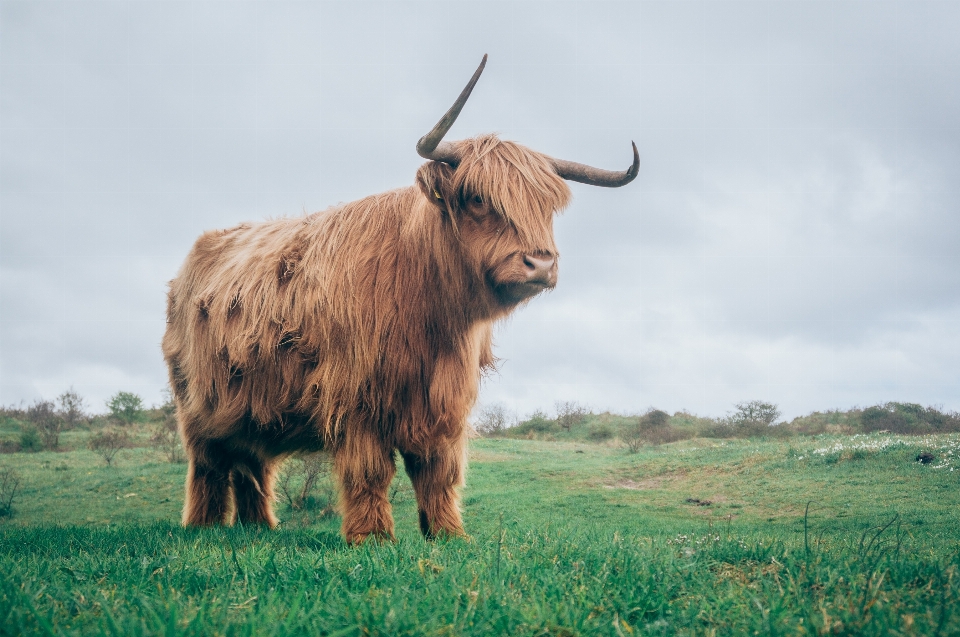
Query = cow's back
x=228 y=343
x=271 y=321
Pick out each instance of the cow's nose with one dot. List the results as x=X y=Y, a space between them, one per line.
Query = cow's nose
x=541 y=269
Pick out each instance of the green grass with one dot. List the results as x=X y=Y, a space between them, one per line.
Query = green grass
x=567 y=538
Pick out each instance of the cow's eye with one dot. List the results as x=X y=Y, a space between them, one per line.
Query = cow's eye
x=477 y=199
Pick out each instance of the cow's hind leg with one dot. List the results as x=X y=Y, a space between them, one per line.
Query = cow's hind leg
x=208 y=493
x=252 y=480
x=365 y=469
x=437 y=480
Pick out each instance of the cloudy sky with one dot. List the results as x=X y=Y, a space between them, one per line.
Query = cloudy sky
x=793 y=234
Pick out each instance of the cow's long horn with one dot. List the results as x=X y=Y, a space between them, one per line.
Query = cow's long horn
x=431 y=145
x=595 y=176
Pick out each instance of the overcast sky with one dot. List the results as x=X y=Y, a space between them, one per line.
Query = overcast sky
x=793 y=234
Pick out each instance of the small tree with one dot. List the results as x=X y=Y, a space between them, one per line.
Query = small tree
x=570 y=413
x=9 y=485
x=299 y=479
x=166 y=436
x=756 y=411
x=126 y=407
x=749 y=419
x=45 y=418
x=72 y=408
x=108 y=443
x=493 y=420
x=633 y=438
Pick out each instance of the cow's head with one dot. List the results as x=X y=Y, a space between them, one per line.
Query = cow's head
x=500 y=198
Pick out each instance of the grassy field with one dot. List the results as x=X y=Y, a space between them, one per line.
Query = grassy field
x=812 y=535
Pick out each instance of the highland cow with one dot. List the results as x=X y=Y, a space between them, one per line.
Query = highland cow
x=361 y=330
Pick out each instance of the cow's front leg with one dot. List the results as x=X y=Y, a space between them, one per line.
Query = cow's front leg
x=437 y=479
x=365 y=468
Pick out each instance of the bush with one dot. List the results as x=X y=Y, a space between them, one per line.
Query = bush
x=570 y=413
x=166 y=435
x=750 y=419
x=633 y=438
x=538 y=423
x=108 y=443
x=126 y=407
x=832 y=422
x=691 y=425
x=12 y=416
x=884 y=418
x=652 y=428
x=305 y=483
x=493 y=420
x=9 y=485
x=72 y=408
x=44 y=417
x=30 y=439
x=600 y=432
x=907 y=418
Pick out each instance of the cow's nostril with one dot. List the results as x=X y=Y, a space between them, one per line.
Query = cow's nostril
x=537 y=262
x=540 y=268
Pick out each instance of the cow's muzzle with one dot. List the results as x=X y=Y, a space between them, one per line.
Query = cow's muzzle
x=525 y=275
x=541 y=270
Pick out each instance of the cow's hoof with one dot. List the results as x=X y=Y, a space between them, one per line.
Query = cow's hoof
x=444 y=535
x=380 y=537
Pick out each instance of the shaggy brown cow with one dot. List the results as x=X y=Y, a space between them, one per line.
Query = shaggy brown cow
x=361 y=330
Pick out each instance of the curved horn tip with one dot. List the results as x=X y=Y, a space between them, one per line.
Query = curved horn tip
x=428 y=145
x=585 y=174
x=635 y=168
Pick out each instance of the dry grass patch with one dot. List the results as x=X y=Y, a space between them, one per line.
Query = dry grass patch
x=641 y=485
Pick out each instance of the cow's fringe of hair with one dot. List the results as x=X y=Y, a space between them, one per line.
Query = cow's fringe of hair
x=520 y=183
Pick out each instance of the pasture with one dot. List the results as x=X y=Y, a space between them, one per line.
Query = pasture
x=811 y=535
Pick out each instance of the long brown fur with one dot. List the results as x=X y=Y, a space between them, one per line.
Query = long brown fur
x=361 y=330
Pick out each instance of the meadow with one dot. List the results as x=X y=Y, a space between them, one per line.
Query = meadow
x=827 y=534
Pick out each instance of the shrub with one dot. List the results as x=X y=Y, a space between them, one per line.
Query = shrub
x=832 y=422
x=126 y=407
x=652 y=428
x=942 y=422
x=570 y=413
x=11 y=416
x=305 y=483
x=9 y=485
x=907 y=418
x=880 y=418
x=43 y=416
x=108 y=443
x=72 y=408
x=600 y=432
x=493 y=420
x=538 y=423
x=691 y=425
x=166 y=436
x=30 y=439
x=633 y=438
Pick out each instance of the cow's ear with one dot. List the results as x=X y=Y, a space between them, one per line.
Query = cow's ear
x=435 y=181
